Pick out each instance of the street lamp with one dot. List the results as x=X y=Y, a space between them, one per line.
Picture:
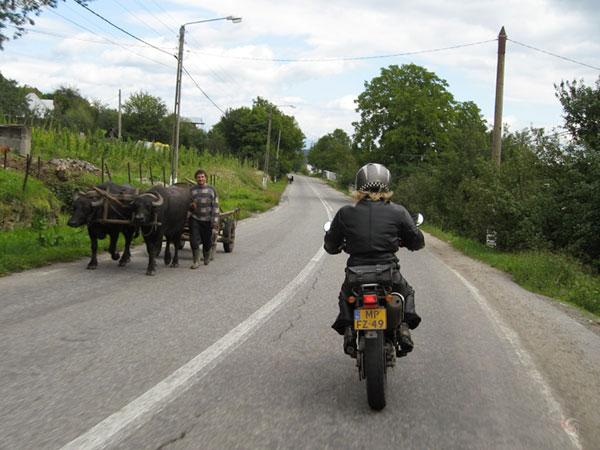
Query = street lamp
x=266 y=171
x=177 y=109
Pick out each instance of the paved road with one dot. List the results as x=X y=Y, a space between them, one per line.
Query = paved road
x=239 y=354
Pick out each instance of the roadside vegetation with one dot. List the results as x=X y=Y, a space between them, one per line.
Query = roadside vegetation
x=554 y=275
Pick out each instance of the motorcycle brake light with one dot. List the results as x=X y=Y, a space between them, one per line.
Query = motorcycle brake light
x=370 y=301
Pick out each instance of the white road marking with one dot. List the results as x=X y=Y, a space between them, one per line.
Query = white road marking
x=523 y=356
x=139 y=411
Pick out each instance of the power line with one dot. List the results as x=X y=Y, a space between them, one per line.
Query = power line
x=93 y=41
x=79 y=2
x=202 y=90
x=357 y=58
x=553 y=54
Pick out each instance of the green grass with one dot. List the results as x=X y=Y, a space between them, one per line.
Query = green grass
x=550 y=274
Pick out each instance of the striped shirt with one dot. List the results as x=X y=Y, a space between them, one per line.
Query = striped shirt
x=207 y=204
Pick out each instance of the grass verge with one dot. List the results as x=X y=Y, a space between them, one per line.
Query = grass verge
x=553 y=275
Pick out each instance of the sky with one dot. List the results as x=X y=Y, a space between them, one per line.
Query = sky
x=315 y=54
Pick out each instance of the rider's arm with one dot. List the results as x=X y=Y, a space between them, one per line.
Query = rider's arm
x=412 y=238
x=334 y=239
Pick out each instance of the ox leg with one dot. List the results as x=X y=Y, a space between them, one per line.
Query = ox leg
x=168 y=251
x=94 y=260
x=175 y=262
x=126 y=257
x=112 y=247
x=152 y=248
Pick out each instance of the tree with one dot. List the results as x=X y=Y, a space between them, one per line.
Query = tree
x=19 y=14
x=331 y=152
x=581 y=105
x=12 y=98
x=143 y=118
x=244 y=131
x=405 y=115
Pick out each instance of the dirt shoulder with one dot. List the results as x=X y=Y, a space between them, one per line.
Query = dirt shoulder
x=563 y=342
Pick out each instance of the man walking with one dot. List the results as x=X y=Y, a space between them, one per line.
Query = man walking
x=204 y=221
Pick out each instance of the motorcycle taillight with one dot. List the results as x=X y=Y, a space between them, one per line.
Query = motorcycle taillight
x=370 y=301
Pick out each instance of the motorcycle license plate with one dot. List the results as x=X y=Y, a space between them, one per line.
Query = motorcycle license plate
x=370 y=319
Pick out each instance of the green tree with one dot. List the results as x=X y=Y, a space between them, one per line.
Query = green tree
x=244 y=132
x=12 y=98
x=405 y=115
x=143 y=118
x=18 y=14
x=333 y=152
x=581 y=105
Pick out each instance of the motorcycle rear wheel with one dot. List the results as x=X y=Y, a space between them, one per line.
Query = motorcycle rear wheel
x=375 y=371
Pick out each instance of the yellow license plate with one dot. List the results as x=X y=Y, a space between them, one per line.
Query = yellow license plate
x=370 y=319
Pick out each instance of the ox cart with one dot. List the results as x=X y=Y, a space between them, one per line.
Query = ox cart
x=119 y=203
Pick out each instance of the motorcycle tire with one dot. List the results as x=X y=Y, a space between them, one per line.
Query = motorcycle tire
x=375 y=371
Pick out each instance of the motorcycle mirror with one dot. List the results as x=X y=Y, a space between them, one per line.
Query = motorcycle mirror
x=420 y=220
x=327 y=226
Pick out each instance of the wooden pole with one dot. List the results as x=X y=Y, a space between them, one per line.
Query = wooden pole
x=151 y=177
x=102 y=166
x=28 y=165
x=108 y=172
x=497 y=134
x=129 y=172
x=164 y=177
x=140 y=173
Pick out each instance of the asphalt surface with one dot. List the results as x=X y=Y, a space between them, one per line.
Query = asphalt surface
x=240 y=354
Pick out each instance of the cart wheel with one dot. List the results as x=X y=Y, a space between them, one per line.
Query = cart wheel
x=229 y=236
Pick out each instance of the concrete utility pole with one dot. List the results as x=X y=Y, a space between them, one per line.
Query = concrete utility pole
x=497 y=135
x=266 y=172
x=177 y=108
x=119 y=123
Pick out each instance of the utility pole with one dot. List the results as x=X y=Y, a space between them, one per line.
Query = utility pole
x=177 y=109
x=497 y=134
x=266 y=175
x=278 y=140
x=119 y=122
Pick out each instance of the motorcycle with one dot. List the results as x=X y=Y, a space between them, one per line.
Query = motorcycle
x=378 y=312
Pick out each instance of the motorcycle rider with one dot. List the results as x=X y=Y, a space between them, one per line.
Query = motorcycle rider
x=371 y=232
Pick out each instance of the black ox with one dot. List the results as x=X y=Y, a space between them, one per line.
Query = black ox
x=162 y=211
x=88 y=209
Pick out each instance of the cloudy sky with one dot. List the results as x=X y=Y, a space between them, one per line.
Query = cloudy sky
x=313 y=54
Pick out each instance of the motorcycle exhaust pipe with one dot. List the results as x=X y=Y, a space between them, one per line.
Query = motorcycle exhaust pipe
x=395 y=310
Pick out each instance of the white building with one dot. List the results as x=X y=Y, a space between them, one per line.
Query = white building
x=40 y=107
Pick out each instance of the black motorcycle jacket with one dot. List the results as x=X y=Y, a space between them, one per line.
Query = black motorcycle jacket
x=370 y=232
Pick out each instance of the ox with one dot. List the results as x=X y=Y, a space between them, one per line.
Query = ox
x=88 y=210
x=162 y=211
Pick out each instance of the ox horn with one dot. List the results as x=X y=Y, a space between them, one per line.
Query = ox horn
x=159 y=201
x=96 y=203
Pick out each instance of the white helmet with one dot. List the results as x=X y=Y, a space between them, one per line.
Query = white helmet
x=373 y=177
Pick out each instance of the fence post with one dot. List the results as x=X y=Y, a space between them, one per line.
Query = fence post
x=5 y=150
x=129 y=172
x=108 y=172
x=140 y=173
x=27 y=171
